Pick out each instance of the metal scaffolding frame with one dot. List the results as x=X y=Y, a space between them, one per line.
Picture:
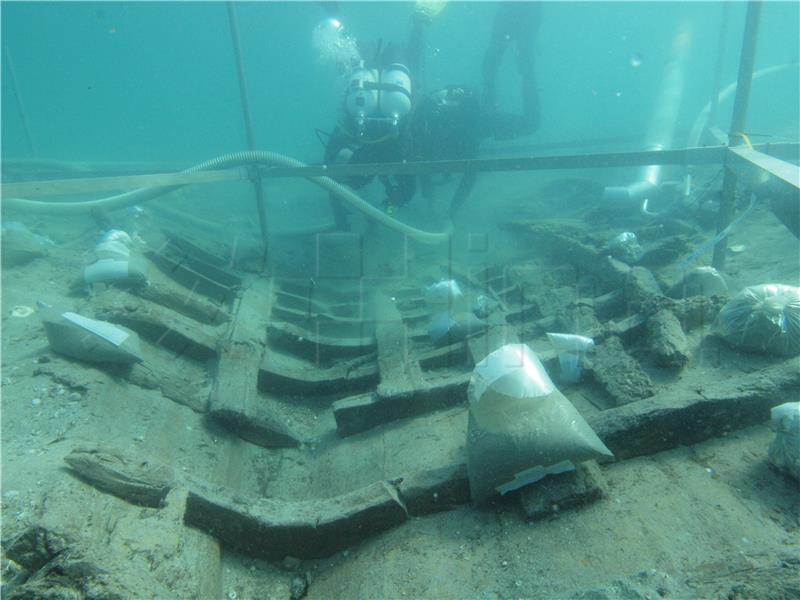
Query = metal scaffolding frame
x=770 y=159
x=739 y=158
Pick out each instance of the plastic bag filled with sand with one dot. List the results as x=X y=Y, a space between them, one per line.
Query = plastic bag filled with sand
x=521 y=428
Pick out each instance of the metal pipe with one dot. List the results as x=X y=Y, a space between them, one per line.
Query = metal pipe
x=661 y=131
x=715 y=155
x=704 y=118
x=248 y=125
x=23 y=114
x=728 y=199
x=248 y=158
x=723 y=33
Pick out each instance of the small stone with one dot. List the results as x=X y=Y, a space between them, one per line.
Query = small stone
x=36 y=401
x=298 y=587
x=74 y=397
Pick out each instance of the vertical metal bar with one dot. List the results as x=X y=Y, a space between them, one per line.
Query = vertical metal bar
x=723 y=34
x=728 y=199
x=23 y=113
x=248 y=126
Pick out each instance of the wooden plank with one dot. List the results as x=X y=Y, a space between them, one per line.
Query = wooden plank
x=314 y=346
x=90 y=166
x=557 y=493
x=179 y=270
x=286 y=375
x=237 y=405
x=294 y=315
x=184 y=383
x=398 y=371
x=161 y=326
x=434 y=490
x=678 y=417
x=141 y=482
x=235 y=399
x=165 y=291
x=60 y=187
x=618 y=373
x=306 y=529
x=203 y=262
x=360 y=413
x=317 y=528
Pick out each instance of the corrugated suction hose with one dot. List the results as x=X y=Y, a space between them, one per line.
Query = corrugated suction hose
x=226 y=161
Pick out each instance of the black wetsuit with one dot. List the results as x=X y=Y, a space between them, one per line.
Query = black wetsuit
x=442 y=128
x=517 y=24
x=447 y=125
x=377 y=141
x=374 y=146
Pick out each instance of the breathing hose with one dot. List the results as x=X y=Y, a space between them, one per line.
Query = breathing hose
x=226 y=161
x=701 y=121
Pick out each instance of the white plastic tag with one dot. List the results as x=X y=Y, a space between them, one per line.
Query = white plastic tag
x=107 y=331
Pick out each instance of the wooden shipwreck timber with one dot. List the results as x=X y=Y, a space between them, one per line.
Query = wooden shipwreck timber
x=313 y=370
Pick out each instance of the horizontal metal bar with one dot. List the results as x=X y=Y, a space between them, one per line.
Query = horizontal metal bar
x=58 y=187
x=753 y=162
x=689 y=156
x=88 y=167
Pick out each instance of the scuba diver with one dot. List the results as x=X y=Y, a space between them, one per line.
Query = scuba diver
x=380 y=121
x=373 y=127
x=447 y=125
x=374 y=118
x=515 y=23
x=451 y=123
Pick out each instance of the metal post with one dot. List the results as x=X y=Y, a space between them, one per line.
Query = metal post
x=723 y=34
x=23 y=114
x=248 y=126
x=728 y=200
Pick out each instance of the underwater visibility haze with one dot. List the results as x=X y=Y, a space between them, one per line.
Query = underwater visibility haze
x=400 y=299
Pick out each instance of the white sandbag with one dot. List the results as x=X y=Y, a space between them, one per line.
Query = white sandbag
x=700 y=281
x=448 y=329
x=80 y=337
x=521 y=428
x=112 y=249
x=571 y=350
x=444 y=292
x=784 y=451
x=19 y=246
x=132 y=271
x=764 y=318
x=117 y=235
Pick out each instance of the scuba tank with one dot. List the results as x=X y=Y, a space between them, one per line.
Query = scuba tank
x=376 y=101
